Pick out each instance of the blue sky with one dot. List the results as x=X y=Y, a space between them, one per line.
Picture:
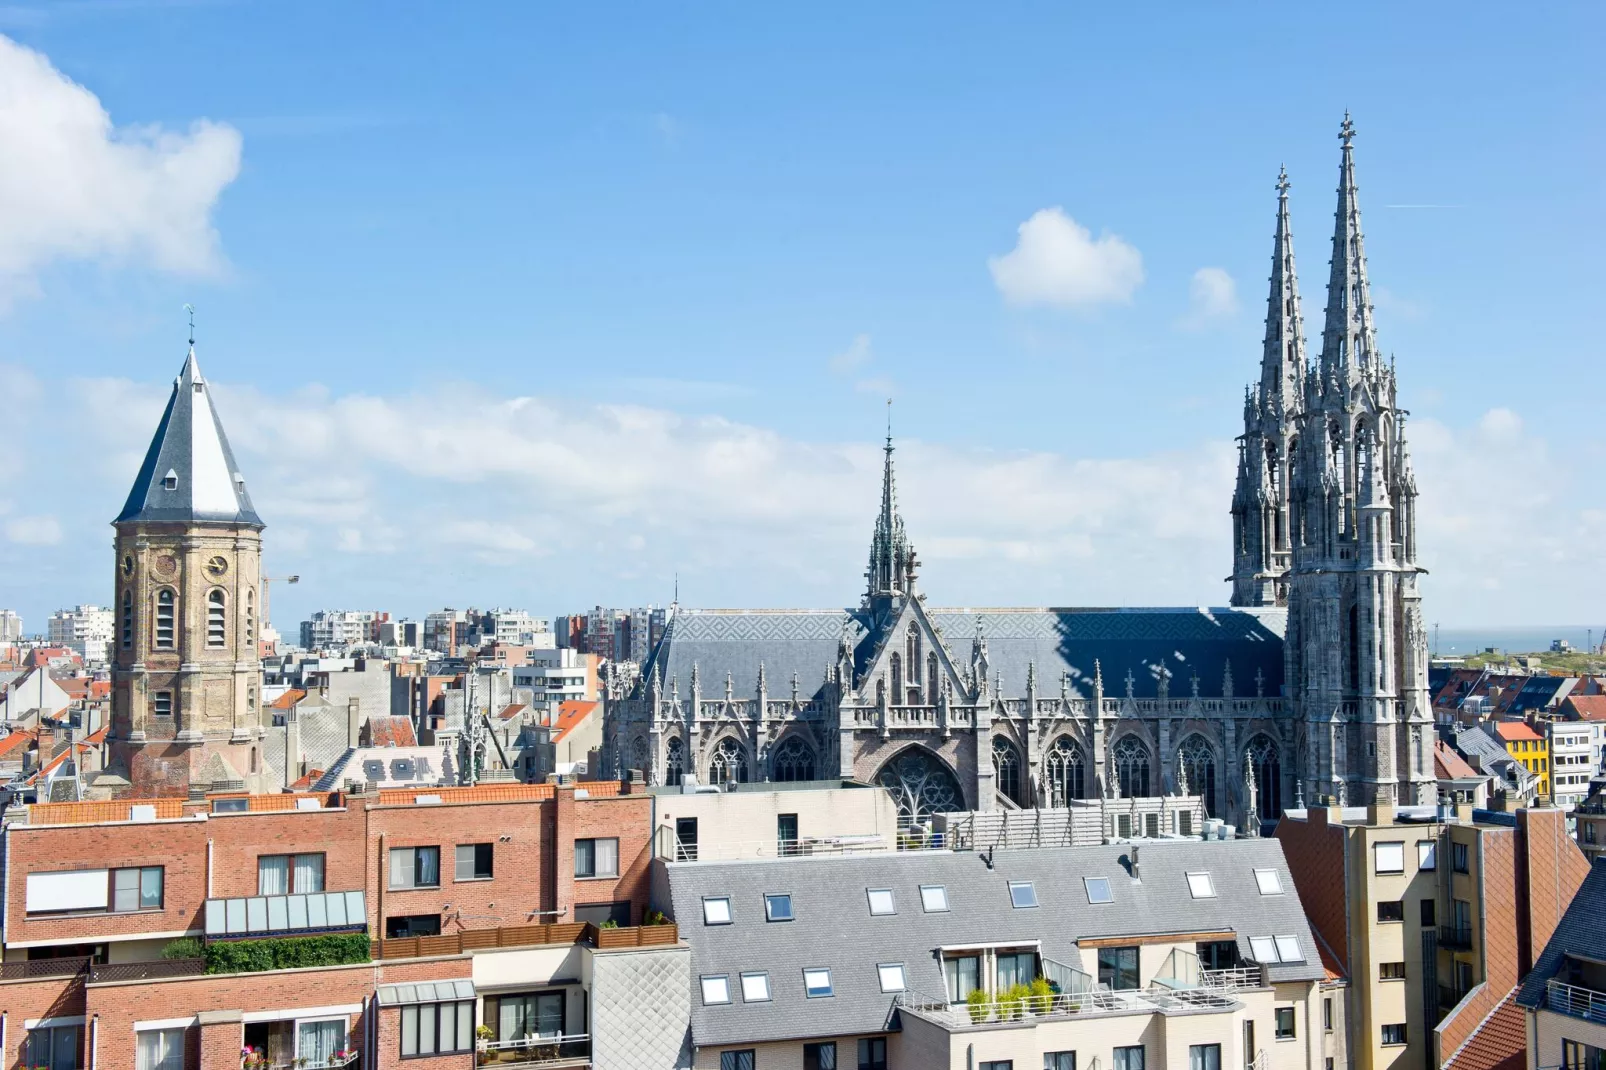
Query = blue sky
x=703 y=245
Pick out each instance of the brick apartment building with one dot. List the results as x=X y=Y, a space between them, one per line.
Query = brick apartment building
x=515 y=907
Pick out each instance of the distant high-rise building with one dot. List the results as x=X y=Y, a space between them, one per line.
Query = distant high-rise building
x=341 y=627
x=86 y=629
x=10 y=626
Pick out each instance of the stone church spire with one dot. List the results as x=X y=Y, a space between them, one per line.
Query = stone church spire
x=1260 y=499
x=1349 y=343
x=892 y=559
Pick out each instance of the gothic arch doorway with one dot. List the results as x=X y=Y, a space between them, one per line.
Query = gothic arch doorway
x=1263 y=758
x=1065 y=772
x=1196 y=763
x=921 y=784
x=793 y=760
x=1006 y=770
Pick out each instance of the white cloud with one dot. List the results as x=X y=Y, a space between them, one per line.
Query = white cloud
x=851 y=359
x=1212 y=296
x=1057 y=261
x=73 y=186
x=34 y=530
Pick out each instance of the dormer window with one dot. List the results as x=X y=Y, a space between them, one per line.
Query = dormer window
x=170 y=481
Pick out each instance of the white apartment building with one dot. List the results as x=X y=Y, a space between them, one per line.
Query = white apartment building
x=554 y=676
x=85 y=629
x=517 y=628
x=1574 y=758
x=339 y=628
x=10 y=626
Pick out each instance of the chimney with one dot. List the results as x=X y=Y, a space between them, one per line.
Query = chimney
x=1380 y=812
x=353 y=720
x=292 y=746
x=1137 y=874
x=1463 y=813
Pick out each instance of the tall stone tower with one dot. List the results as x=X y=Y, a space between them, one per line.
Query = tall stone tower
x=1261 y=552
x=890 y=576
x=1356 y=648
x=187 y=677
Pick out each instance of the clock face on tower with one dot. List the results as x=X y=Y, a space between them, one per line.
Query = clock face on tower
x=166 y=565
x=217 y=566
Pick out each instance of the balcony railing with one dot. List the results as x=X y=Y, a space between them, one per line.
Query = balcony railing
x=1103 y=1001
x=339 y=1059
x=32 y=968
x=1455 y=937
x=567 y=1050
x=1576 y=1002
x=108 y=972
x=414 y=947
x=671 y=849
x=1233 y=979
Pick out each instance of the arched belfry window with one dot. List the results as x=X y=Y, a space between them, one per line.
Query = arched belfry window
x=128 y=620
x=250 y=616
x=164 y=620
x=216 y=619
x=1065 y=772
x=794 y=760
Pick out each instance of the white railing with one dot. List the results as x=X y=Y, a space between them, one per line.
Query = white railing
x=1102 y=1001
x=1231 y=980
x=562 y=1050
x=338 y=1059
x=1585 y=1003
x=671 y=849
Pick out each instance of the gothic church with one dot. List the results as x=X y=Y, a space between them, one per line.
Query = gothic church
x=1312 y=684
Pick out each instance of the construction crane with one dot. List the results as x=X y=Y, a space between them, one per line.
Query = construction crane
x=267 y=583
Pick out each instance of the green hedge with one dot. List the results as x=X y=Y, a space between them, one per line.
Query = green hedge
x=285 y=953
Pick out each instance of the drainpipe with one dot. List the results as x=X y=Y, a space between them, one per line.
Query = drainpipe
x=209 y=869
x=94 y=1042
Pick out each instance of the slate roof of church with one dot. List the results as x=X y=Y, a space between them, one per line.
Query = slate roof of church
x=833 y=927
x=1582 y=933
x=1185 y=641
x=190 y=447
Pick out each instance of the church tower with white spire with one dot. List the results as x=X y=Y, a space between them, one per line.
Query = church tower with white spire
x=187 y=677
x=1355 y=648
x=1261 y=552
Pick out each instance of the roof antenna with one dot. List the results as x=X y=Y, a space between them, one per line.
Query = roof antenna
x=889 y=421
x=191 y=310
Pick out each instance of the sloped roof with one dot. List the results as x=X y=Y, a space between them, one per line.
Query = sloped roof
x=1586 y=707
x=288 y=699
x=1500 y=1041
x=18 y=739
x=189 y=472
x=804 y=642
x=1511 y=731
x=1448 y=765
x=570 y=716
x=833 y=928
x=391 y=732
x=512 y=710
x=1582 y=932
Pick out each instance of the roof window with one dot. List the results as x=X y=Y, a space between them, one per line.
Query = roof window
x=881 y=901
x=716 y=990
x=891 y=976
x=1201 y=886
x=1271 y=949
x=1098 y=889
x=755 y=987
x=1022 y=894
x=817 y=982
x=778 y=907
x=1269 y=882
x=934 y=898
x=717 y=910
x=1288 y=949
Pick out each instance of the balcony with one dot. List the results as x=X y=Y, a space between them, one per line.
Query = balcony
x=335 y=1061
x=155 y=969
x=604 y=939
x=1064 y=1005
x=286 y=915
x=570 y=1050
x=1576 y=1002
x=1455 y=937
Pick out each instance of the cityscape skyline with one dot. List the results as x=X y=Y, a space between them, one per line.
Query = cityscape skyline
x=1064 y=420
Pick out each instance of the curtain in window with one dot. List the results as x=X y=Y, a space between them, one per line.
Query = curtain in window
x=607 y=857
x=429 y=866
x=273 y=875
x=401 y=867
x=309 y=874
x=1204 y=1057
x=317 y=1042
x=159 y=1049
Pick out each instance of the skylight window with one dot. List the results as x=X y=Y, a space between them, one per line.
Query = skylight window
x=716 y=990
x=755 y=987
x=1263 y=948
x=717 y=910
x=1022 y=894
x=1269 y=882
x=778 y=907
x=881 y=901
x=1098 y=889
x=891 y=976
x=934 y=898
x=1201 y=886
x=1288 y=949
x=817 y=982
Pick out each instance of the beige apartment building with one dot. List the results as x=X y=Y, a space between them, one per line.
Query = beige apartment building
x=1433 y=915
x=711 y=822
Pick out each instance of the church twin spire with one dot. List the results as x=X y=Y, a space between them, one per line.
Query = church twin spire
x=1349 y=342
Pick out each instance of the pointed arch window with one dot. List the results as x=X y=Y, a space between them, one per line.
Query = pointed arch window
x=1264 y=760
x=674 y=761
x=727 y=765
x=216 y=619
x=128 y=620
x=920 y=784
x=1006 y=770
x=932 y=678
x=1066 y=772
x=794 y=760
x=1196 y=762
x=911 y=658
x=896 y=669
x=164 y=620
x=250 y=616
x=1132 y=762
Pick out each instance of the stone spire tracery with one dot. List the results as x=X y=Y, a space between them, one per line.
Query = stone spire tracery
x=892 y=559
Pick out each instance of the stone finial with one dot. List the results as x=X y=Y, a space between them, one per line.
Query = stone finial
x=1226 y=680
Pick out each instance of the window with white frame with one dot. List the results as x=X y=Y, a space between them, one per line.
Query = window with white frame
x=890 y=974
x=1022 y=894
x=289 y=874
x=934 y=898
x=1098 y=890
x=755 y=987
x=716 y=990
x=159 y=1049
x=1269 y=882
x=54 y=1047
x=717 y=910
x=437 y=1028
x=1288 y=949
x=1427 y=854
x=817 y=982
x=1200 y=886
x=1389 y=856
x=881 y=901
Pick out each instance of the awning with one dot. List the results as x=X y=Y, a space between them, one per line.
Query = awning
x=425 y=992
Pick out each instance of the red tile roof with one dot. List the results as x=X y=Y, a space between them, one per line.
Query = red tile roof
x=1585 y=707
x=306 y=782
x=288 y=699
x=1515 y=730
x=571 y=715
x=1499 y=1042
x=17 y=739
x=1448 y=765
x=512 y=711
x=391 y=732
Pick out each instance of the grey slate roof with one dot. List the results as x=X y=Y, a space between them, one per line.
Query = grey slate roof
x=1184 y=641
x=1582 y=932
x=189 y=448
x=834 y=928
